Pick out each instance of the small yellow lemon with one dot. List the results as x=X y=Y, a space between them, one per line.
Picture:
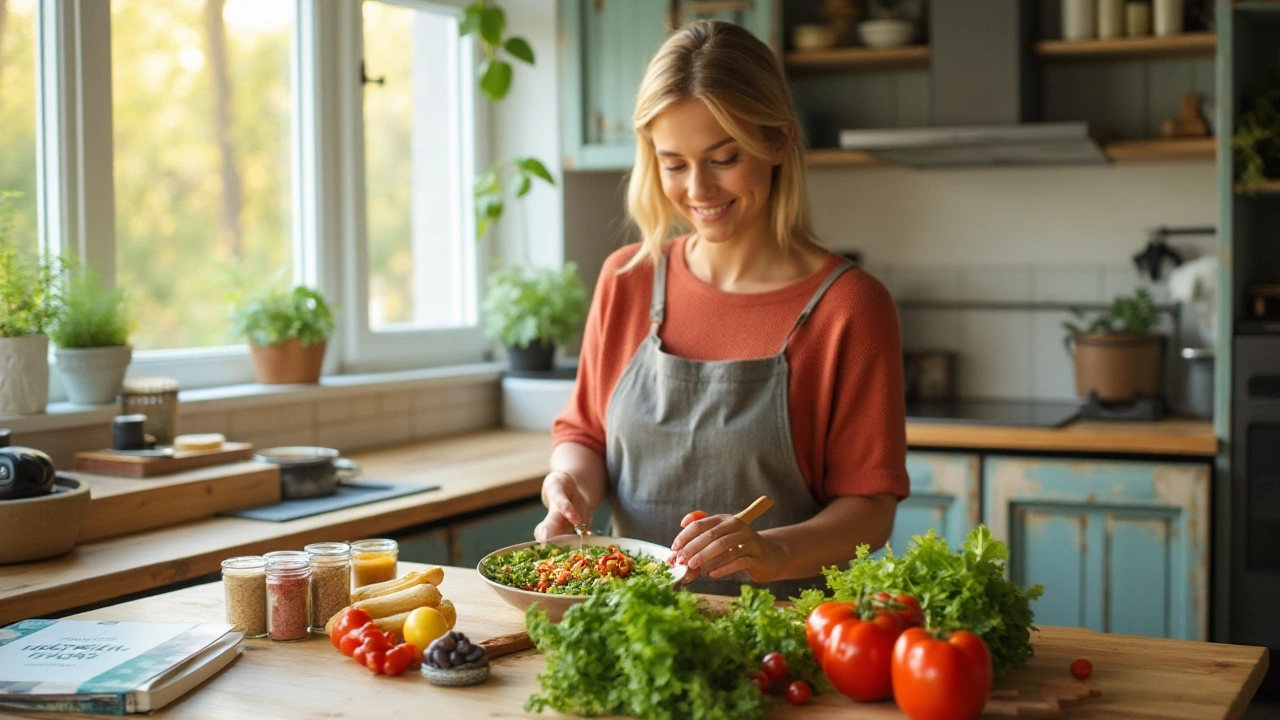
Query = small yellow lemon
x=423 y=625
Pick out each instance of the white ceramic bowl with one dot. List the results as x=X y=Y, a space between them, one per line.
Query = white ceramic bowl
x=886 y=33
x=44 y=526
x=811 y=36
x=556 y=605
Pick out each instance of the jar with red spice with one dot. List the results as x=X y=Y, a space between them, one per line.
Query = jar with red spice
x=288 y=595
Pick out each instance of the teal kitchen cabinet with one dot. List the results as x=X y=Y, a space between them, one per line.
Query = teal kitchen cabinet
x=605 y=48
x=1119 y=546
x=471 y=539
x=944 y=497
x=430 y=546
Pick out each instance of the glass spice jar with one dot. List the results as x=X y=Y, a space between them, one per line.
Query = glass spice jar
x=330 y=581
x=373 y=561
x=245 y=581
x=288 y=595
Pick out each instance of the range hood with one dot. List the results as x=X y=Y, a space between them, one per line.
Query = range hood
x=984 y=98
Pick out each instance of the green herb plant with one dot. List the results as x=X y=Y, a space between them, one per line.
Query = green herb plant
x=1256 y=142
x=526 y=307
x=92 y=316
x=488 y=23
x=961 y=590
x=29 y=285
x=644 y=650
x=1136 y=314
x=275 y=315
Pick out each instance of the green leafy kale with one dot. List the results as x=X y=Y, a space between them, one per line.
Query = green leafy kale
x=645 y=650
x=965 y=590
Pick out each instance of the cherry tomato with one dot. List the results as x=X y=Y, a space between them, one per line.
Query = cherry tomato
x=351 y=619
x=774 y=665
x=348 y=644
x=762 y=681
x=398 y=659
x=371 y=633
x=375 y=660
x=799 y=692
x=910 y=613
x=694 y=516
x=1081 y=669
x=941 y=679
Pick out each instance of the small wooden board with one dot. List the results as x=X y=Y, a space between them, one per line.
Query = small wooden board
x=106 y=462
x=119 y=506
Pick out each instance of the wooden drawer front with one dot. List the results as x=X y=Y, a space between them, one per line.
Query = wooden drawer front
x=1119 y=546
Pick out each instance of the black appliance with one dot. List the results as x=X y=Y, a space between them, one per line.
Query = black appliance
x=1255 y=501
x=1009 y=413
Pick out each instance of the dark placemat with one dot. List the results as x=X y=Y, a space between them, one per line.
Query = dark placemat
x=347 y=495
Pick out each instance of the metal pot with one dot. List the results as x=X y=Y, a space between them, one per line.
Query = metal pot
x=307 y=471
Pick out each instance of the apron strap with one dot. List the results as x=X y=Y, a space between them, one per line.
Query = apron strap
x=813 y=301
x=658 y=303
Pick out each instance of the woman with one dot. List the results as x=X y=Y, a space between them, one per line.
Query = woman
x=738 y=360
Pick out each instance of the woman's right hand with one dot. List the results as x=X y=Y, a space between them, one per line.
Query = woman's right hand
x=565 y=506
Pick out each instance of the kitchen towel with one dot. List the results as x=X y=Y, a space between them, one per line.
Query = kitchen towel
x=1195 y=283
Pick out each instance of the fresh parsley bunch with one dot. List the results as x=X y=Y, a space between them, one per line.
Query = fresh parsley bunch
x=645 y=650
x=961 y=590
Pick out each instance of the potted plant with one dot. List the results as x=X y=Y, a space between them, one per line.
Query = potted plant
x=92 y=338
x=29 y=304
x=1117 y=356
x=531 y=311
x=287 y=330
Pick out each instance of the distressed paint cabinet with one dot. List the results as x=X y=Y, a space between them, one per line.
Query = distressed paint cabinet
x=944 y=497
x=603 y=54
x=1119 y=546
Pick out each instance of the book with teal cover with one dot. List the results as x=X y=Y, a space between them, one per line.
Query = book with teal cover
x=108 y=667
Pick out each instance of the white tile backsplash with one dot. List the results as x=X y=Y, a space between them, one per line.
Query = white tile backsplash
x=1052 y=371
x=1067 y=284
x=994 y=361
x=924 y=283
x=927 y=329
x=995 y=285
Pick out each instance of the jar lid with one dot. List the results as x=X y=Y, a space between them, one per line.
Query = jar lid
x=328 y=549
x=374 y=545
x=287 y=560
x=244 y=562
x=145 y=385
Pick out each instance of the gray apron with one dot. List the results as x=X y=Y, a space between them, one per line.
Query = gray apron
x=683 y=435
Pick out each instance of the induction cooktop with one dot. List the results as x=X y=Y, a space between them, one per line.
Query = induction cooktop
x=1015 y=413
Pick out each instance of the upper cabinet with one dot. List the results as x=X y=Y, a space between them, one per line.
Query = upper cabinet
x=604 y=51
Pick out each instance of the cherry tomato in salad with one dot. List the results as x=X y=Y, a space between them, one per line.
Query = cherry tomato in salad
x=799 y=692
x=1081 y=669
x=774 y=665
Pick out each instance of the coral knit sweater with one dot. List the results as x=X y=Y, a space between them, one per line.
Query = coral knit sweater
x=848 y=416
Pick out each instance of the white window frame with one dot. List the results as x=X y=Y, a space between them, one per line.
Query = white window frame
x=77 y=200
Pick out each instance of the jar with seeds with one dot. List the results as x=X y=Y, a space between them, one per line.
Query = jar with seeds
x=245 y=581
x=330 y=581
x=288 y=595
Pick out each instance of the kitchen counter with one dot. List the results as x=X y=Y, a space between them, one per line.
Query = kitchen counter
x=1137 y=677
x=475 y=471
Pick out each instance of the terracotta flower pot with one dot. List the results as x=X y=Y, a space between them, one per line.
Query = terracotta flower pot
x=288 y=362
x=1119 y=367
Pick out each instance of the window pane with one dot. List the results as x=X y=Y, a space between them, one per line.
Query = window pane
x=18 y=114
x=418 y=200
x=203 y=159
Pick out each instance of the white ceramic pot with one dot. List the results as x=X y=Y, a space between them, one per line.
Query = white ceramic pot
x=93 y=376
x=24 y=375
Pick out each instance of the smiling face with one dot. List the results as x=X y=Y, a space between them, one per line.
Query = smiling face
x=715 y=184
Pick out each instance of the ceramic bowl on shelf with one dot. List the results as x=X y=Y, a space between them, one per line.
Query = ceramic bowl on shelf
x=886 y=33
x=45 y=526
x=556 y=605
x=812 y=36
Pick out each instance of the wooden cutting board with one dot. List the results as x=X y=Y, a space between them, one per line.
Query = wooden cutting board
x=107 y=462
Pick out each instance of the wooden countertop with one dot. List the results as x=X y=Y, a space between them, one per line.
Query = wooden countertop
x=1171 y=436
x=1137 y=677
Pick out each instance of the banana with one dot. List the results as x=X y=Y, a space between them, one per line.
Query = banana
x=433 y=575
x=401 y=601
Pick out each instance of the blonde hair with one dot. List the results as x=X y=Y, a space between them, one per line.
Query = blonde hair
x=741 y=82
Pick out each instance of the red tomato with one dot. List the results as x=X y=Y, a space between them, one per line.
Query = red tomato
x=1081 y=669
x=348 y=644
x=858 y=653
x=761 y=680
x=372 y=634
x=798 y=692
x=774 y=666
x=694 y=516
x=941 y=679
x=398 y=659
x=818 y=626
x=911 y=614
x=374 y=660
x=351 y=619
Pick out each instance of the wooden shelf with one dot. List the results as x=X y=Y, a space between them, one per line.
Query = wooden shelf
x=857 y=59
x=1202 y=44
x=1161 y=149
x=1270 y=187
x=1256 y=5
x=1124 y=151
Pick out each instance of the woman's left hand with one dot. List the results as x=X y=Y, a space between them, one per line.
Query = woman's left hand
x=721 y=545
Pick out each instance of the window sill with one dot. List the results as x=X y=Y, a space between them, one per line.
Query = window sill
x=65 y=415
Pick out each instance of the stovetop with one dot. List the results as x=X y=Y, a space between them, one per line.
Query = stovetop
x=1016 y=413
